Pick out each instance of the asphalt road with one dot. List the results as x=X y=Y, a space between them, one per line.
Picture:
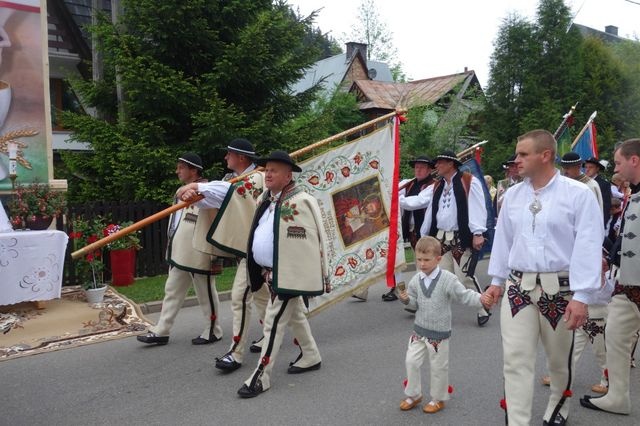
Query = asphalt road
x=363 y=346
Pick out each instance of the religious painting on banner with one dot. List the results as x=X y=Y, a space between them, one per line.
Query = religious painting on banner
x=24 y=92
x=353 y=184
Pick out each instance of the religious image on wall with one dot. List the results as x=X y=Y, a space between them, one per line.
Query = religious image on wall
x=353 y=184
x=360 y=212
x=22 y=94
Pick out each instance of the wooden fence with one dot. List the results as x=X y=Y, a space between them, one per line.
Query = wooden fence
x=150 y=260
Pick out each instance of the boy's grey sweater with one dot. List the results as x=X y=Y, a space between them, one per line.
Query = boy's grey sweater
x=433 y=305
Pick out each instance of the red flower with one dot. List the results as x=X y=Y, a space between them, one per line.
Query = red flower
x=346 y=171
x=374 y=164
x=329 y=177
x=314 y=180
x=265 y=360
x=369 y=254
x=404 y=383
x=92 y=239
x=357 y=159
x=353 y=262
x=503 y=404
x=567 y=393
x=450 y=389
x=339 y=271
x=90 y=257
x=248 y=185
x=241 y=190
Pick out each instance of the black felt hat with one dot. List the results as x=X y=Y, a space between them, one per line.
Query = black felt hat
x=243 y=147
x=571 y=159
x=192 y=159
x=511 y=160
x=422 y=159
x=279 y=157
x=594 y=160
x=449 y=155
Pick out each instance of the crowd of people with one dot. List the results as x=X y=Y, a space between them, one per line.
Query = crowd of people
x=564 y=264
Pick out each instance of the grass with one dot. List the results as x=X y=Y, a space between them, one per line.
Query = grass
x=150 y=289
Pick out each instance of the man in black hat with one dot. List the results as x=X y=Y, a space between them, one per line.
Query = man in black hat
x=286 y=253
x=592 y=168
x=457 y=217
x=571 y=164
x=190 y=258
x=240 y=159
x=511 y=178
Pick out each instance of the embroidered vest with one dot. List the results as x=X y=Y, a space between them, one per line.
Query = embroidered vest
x=413 y=188
x=630 y=251
x=461 y=186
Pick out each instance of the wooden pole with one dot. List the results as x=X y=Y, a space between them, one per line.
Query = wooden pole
x=166 y=212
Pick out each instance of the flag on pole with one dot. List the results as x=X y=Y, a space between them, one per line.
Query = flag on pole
x=356 y=188
x=563 y=132
x=586 y=143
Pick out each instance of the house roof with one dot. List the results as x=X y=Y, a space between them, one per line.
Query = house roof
x=391 y=96
x=330 y=73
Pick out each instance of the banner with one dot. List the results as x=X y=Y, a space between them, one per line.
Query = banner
x=353 y=184
x=587 y=145
x=23 y=92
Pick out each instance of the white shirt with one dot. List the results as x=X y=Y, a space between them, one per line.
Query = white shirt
x=215 y=191
x=416 y=202
x=5 y=225
x=447 y=216
x=262 y=247
x=568 y=235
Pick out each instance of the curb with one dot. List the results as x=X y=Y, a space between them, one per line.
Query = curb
x=156 y=306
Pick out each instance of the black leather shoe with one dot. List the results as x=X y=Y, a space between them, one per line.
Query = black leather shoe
x=559 y=421
x=227 y=363
x=585 y=401
x=152 y=338
x=298 y=370
x=390 y=296
x=255 y=349
x=247 y=392
x=483 y=319
x=202 y=341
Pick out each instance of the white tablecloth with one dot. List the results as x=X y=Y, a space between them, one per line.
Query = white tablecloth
x=31 y=264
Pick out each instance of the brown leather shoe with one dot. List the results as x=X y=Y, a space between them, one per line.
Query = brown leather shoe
x=433 y=407
x=408 y=403
x=599 y=388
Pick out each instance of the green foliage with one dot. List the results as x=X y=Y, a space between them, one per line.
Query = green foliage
x=193 y=76
x=89 y=268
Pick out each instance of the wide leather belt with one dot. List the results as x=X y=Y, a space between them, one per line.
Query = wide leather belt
x=549 y=281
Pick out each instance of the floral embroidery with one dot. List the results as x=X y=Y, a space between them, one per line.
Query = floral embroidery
x=328 y=177
x=592 y=329
x=369 y=254
x=357 y=159
x=374 y=164
x=340 y=271
x=314 y=180
x=288 y=211
x=518 y=300
x=346 y=171
x=248 y=187
x=552 y=308
x=435 y=343
x=632 y=293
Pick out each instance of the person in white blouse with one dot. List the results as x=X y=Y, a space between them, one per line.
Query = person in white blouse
x=548 y=250
x=456 y=215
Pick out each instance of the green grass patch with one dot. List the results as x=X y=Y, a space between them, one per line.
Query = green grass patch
x=150 y=289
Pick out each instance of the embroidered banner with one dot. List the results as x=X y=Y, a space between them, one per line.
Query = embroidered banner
x=353 y=184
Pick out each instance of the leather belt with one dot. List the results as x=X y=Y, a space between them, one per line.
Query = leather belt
x=549 y=281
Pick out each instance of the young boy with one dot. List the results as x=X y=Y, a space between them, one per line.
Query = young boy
x=430 y=292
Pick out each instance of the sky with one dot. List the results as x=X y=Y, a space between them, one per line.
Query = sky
x=436 y=37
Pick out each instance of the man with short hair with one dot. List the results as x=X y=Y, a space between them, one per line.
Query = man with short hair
x=592 y=168
x=624 y=309
x=190 y=260
x=286 y=253
x=547 y=247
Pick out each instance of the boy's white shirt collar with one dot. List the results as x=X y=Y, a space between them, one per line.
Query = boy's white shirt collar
x=432 y=275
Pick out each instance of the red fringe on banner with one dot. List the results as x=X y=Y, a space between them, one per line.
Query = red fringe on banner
x=393 y=220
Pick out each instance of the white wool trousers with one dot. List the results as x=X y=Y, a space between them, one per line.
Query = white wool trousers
x=437 y=351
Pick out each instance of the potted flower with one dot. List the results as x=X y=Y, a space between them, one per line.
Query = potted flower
x=89 y=268
x=34 y=205
x=122 y=253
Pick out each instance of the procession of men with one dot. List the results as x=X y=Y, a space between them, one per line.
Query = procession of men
x=551 y=264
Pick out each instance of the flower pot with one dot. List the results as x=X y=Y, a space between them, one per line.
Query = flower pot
x=38 y=223
x=123 y=266
x=95 y=295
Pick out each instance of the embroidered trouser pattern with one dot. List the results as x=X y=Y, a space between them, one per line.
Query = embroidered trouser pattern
x=622 y=323
x=438 y=352
x=281 y=313
x=527 y=317
x=241 y=299
x=593 y=332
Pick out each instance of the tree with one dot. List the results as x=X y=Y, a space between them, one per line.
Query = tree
x=196 y=74
x=373 y=31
